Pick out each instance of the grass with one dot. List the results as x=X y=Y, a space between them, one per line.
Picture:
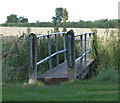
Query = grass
x=103 y=87
x=15 y=52
x=105 y=49
x=70 y=91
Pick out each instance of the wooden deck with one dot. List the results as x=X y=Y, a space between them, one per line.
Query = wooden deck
x=59 y=73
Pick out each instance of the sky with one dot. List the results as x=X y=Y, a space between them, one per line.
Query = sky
x=44 y=10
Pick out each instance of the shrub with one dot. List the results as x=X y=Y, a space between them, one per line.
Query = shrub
x=15 y=52
x=105 y=50
x=107 y=75
x=15 y=58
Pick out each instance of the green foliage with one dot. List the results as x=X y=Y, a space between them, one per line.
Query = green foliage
x=105 y=50
x=58 y=18
x=59 y=14
x=14 y=19
x=81 y=24
x=54 y=21
x=107 y=75
x=23 y=20
x=38 y=24
x=16 y=56
x=95 y=45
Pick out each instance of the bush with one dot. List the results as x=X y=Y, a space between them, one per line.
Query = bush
x=105 y=50
x=15 y=51
x=15 y=58
x=107 y=75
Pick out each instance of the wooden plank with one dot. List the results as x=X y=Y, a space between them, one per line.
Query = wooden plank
x=83 y=71
x=59 y=71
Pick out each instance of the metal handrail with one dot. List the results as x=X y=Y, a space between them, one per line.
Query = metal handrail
x=57 y=52
x=39 y=36
x=80 y=57
x=83 y=54
x=83 y=34
x=48 y=57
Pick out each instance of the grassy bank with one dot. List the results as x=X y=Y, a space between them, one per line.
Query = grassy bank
x=70 y=91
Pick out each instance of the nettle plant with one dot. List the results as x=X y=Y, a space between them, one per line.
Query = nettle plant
x=15 y=53
x=105 y=49
x=15 y=58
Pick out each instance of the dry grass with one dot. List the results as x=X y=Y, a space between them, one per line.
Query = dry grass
x=13 y=31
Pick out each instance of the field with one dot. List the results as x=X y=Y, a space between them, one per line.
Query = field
x=13 y=31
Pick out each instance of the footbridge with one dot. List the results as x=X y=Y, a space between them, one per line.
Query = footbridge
x=71 y=59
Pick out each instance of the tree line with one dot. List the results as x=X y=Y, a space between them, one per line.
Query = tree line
x=14 y=20
x=103 y=23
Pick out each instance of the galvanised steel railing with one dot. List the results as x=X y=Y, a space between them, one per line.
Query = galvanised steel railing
x=72 y=61
x=49 y=47
x=81 y=45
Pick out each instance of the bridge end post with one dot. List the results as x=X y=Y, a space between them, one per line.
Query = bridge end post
x=32 y=58
x=70 y=55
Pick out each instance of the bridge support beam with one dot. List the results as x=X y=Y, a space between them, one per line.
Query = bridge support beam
x=70 y=55
x=33 y=59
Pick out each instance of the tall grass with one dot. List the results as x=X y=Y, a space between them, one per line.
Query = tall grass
x=105 y=52
x=15 y=52
x=15 y=58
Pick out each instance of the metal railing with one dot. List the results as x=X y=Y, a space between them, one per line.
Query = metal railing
x=69 y=50
x=81 y=45
x=72 y=60
x=33 y=51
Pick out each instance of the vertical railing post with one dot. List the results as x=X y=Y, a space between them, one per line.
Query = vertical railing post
x=56 y=46
x=90 y=47
x=33 y=58
x=49 y=52
x=85 y=49
x=70 y=55
x=81 y=51
x=64 y=45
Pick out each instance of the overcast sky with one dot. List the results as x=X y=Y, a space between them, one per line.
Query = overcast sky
x=44 y=10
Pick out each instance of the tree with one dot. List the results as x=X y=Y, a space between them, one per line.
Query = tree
x=58 y=15
x=23 y=20
x=54 y=21
x=12 y=18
